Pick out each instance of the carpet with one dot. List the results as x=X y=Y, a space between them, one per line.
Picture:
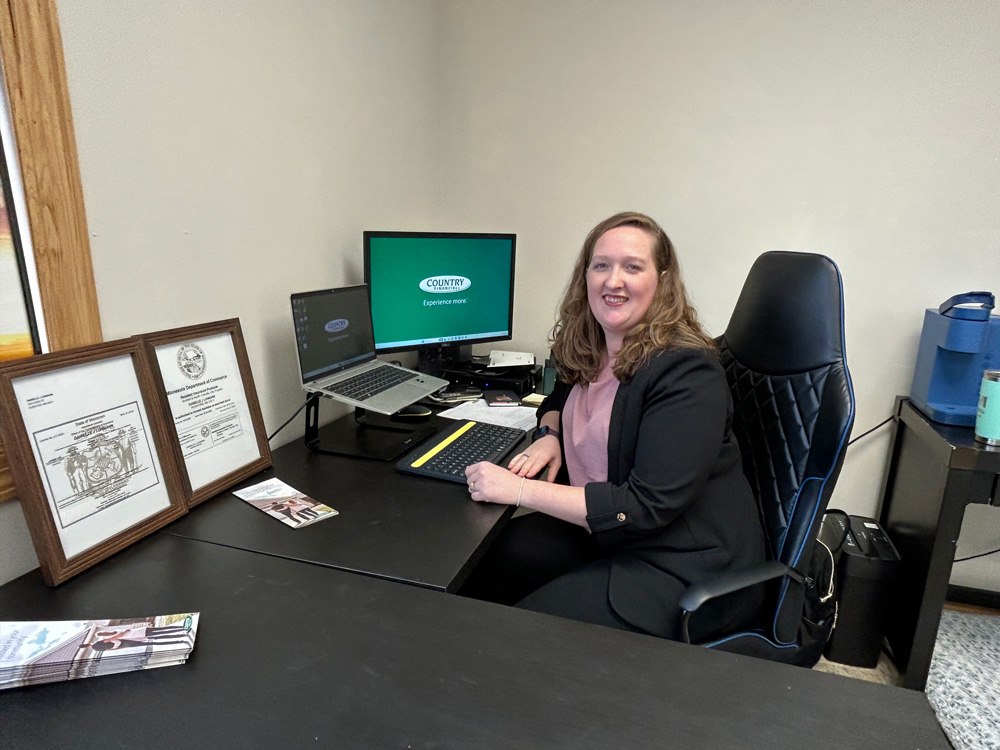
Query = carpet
x=963 y=685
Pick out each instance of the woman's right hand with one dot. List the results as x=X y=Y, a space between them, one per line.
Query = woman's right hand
x=545 y=451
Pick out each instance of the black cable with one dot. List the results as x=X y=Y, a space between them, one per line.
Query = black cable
x=973 y=557
x=869 y=432
x=271 y=436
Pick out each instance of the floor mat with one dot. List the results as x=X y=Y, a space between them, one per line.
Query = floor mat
x=963 y=685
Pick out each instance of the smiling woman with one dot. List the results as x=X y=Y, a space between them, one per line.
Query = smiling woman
x=621 y=282
x=634 y=469
x=649 y=311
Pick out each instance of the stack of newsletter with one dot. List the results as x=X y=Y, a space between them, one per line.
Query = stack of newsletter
x=35 y=652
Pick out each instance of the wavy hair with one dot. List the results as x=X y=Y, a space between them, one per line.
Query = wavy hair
x=671 y=322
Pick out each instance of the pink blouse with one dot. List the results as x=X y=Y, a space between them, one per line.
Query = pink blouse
x=586 y=420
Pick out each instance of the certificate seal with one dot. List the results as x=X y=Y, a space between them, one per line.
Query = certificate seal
x=191 y=361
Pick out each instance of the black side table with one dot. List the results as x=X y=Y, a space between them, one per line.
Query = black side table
x=932 y=473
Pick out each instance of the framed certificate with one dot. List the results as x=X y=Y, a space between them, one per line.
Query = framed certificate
x=90 y=452
x=206 y=390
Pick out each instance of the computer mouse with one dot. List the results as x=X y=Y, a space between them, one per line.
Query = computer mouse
x=413 y=411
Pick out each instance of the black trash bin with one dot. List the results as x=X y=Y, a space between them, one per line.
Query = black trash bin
x=866 y=572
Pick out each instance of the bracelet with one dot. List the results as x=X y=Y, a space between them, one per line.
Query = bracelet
x=520 y=487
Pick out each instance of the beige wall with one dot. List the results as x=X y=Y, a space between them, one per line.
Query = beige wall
x=869 y=132
x=233 y=154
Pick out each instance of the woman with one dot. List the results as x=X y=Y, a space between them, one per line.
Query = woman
x=651 y=496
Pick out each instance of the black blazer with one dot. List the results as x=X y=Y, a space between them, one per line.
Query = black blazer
x=676 y=508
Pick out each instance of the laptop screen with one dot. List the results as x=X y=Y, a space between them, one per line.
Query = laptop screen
x=333 y=330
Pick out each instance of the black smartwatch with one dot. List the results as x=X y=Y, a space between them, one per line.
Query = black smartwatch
x=543 y=431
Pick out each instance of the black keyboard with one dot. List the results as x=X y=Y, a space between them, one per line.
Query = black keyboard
x=446 y=455
x=371 y=382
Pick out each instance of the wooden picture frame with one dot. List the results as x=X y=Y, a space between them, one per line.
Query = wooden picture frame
x=90 y=452
x=207 y=393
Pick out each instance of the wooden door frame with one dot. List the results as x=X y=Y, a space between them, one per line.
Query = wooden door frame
x=35 y=75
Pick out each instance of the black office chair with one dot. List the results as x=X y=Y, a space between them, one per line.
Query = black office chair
x=783 y=353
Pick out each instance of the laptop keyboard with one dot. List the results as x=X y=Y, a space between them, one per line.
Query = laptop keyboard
x=370 y=383
x=446 y=455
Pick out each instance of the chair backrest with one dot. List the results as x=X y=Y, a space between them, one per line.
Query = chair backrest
x=783 y=352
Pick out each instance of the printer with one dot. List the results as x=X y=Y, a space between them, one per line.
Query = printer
x=960 y=339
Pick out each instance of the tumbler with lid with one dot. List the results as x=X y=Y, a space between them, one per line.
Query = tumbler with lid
x=988 y=411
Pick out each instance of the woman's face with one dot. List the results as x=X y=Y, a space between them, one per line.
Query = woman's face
x=621 y=281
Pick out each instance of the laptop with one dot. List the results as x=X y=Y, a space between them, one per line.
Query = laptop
x=336 y=352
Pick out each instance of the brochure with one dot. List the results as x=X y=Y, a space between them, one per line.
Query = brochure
x=285 y=503
x=32 y=653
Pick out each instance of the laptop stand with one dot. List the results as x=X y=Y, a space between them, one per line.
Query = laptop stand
x=364 y=435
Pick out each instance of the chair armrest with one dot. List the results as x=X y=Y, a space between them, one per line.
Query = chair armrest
x=698 y=593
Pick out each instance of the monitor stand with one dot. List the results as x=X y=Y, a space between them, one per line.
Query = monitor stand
x=436 y=359
x=364 y=435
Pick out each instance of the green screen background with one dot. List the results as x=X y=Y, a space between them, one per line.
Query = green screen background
x=399 y=264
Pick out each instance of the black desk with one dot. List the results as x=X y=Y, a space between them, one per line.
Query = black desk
x=933 y=472
x=291 y=656
x=391 y=525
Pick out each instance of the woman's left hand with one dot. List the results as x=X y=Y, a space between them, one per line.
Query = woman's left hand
x=489 y=483
x=545 y=451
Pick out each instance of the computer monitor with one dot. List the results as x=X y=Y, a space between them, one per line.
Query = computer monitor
x=436 y=291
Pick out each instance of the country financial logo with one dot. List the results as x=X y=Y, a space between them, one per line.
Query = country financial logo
x=336 y=325
x=445 y=284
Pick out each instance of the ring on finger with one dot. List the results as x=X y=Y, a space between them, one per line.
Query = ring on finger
x=472 y=486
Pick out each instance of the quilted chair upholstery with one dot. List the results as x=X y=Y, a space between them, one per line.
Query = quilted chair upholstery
x=783 y=353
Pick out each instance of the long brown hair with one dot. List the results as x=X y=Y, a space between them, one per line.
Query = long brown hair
x=577 y=339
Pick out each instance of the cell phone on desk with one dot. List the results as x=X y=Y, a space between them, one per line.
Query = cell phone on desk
x=501 y=398
x=456 y=393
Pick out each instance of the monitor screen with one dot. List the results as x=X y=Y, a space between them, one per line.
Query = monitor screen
x=332 y=330
x=430 y=289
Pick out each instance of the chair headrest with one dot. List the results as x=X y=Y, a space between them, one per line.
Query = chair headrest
x=789 y=316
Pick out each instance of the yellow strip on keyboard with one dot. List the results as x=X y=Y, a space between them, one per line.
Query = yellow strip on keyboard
x=442 y=445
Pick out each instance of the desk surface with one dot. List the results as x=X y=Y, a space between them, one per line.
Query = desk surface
x=958 y=445
x=300 y=656
x=391 y=525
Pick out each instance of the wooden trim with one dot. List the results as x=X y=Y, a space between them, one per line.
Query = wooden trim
x=7 y=490
x=35 y=73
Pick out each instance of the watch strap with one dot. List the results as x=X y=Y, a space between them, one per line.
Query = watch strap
x=543 y=431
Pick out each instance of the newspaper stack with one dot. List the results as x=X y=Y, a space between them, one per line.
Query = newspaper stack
x=35 y=652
